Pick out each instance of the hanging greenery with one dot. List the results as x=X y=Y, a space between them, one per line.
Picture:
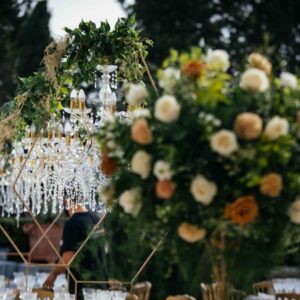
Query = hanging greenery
x=69 y=62
x=88 y=46
x=33 y=104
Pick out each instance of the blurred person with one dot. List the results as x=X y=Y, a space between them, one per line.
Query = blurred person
x=76 y=229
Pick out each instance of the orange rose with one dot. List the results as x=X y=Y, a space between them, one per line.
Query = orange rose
x=108 y=165
x=242 y=211
x=271 y=185
x=165 y=189
x=259 y=61
x=141 y=132
x=193 y=69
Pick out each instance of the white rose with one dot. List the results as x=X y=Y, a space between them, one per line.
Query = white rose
x=218 y=60
x=141 y=164
x=276 y=128
x=203 y=190
x=294 y=212
x=254 y=80
x=140 y=113
x=168 y=78
x=162 y=170
x=224 y=142
x=167 y=109
x=111 y=144
x=136 y=94
x=131 y=201
x=288 y=80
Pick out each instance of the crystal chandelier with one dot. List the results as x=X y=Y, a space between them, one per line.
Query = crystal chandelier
x=63 y=164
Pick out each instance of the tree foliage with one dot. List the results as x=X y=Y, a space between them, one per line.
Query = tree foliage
x=238 y=26
x=24 y=33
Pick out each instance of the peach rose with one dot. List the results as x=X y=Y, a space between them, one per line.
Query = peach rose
x=193 y=68
x=191 y=233
x=271 y=185
x=165 y=189
x=248 y=126
x=259 y=61
x=141 y=132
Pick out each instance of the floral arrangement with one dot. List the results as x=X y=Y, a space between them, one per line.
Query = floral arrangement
x=213 y=160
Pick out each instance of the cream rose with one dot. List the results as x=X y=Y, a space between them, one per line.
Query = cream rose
x=294 y=212
x=162 y=170
x=168 y=78
x=191 y=233
x=141 y=164
x=218 y=60
x=224 y=142
x=136 y=94
x=203 y=190
x=140 y=113
x=254 y=80
x=167 y=109
x=288 y=80
x=131 y=201
x=276 y=128
x=259 y=61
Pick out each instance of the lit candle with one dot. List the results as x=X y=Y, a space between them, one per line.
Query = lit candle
x=50 y=129
x=112 y=102
x=81 y=99
x=68 y=130
x=20 y=152
x=28 y=132
x=32 y=131
x=73 y=99
x=60 y=130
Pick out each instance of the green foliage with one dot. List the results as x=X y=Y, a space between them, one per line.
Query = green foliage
x=24 y=34
x=37 y=92
x=90 y=46
x=171 y=270
x=31 y=43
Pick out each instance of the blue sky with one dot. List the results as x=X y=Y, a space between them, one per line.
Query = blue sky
x=68 y=13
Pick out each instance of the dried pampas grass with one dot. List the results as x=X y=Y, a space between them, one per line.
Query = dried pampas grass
x=52 y=59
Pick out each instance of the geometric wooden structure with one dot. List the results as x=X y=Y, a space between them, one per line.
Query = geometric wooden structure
x=44 y=235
